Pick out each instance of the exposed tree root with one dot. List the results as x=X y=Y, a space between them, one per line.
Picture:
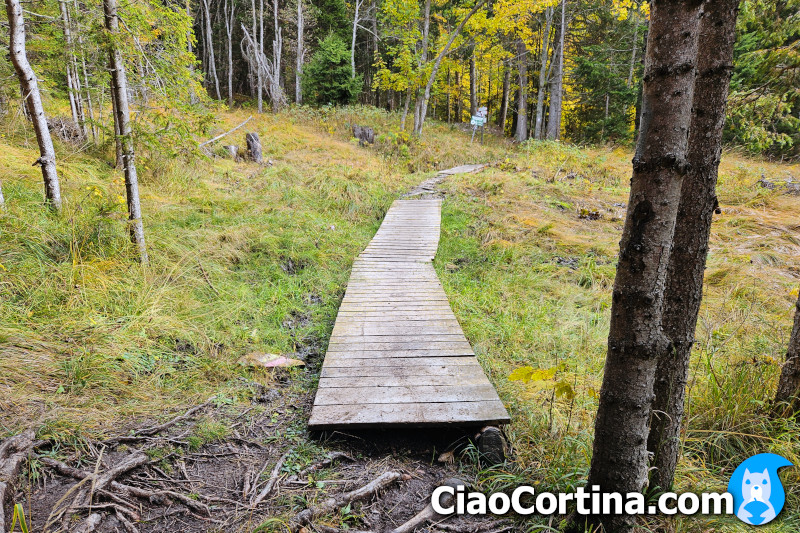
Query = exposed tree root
x=428 y=513
x=13 y=452
x=273 y=480
x=149 y=432
x=331 y=505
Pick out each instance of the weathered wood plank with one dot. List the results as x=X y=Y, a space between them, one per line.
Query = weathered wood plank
x=397 y=354
x=414 y=415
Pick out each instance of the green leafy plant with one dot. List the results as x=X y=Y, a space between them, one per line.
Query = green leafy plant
x=19 y=517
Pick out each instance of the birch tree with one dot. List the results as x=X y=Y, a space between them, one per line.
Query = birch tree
x=539 y=118
x=301 y=50
x=32 y=101
x=229 y=22
x=521 y=133
x=209 y=43
x=119 y=83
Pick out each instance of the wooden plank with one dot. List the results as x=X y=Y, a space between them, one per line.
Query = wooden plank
x=410 y=415
x=397 y=354
x=397 y=395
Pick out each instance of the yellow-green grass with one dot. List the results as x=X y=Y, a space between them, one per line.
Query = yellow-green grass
x=248 y=258
x=530 y=280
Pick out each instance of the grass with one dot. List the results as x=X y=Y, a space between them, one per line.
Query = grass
x=529 y=277
x=255 y=259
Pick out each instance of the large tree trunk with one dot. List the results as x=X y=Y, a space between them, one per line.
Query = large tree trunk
x=209 y=44
x=787 y=398
x=119 y=83
x=557 y=83
x=438 y=62
x=301 y=51
x=521 y=133
x=503 y=115
x=619 y=460
x=32 y=101
x=537 y=130
x=684 y=288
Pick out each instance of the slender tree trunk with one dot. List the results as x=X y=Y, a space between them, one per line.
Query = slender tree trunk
x=633 y=49
x=449 y=90
x=32 y=101
x=122 y=118
x=620 y=460
x=229 y=21
x=405 y=110
x=521 y=133
x=73 y=105
x=117 y=134
x=787 y=397
x=375 y=51
x=438 y=62
x=684 y=288
x=557 y=83
x=353 y=42
x=276 y=89
x=301 y=51
x=209 y=43
x=503 y=114
x=473 y=85
x=423 y=59
x=88 y=95
x=459 y=99
x=538 y=128
x=2 y=199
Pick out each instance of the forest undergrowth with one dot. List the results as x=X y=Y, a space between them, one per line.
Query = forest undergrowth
x=249 y=259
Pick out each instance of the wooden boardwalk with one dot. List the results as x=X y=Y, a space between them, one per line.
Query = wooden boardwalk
x=397 y=355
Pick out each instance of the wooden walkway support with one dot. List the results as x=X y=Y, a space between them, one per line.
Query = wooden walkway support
x=397 y=355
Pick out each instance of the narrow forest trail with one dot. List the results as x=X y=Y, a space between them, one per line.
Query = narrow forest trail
x=397 y=355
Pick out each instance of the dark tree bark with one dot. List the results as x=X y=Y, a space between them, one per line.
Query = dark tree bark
x=538 y=127
x=503 y=114
x=32 y=102
x=787 y=398
x=557 y=83
x=254 y=147
x=619 y=461
x=122 y=118
x=684 y=288
x=473 y=85
x=521 y=133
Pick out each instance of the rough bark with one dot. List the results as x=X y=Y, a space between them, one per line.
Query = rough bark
x=32 y=101
x=503 y=114
x=122 y=119
x=557 y=82
x=787 y=398
x=276 y=95
x=537 y=130
x=619 y=461
x=423 y=58
x=684 y=288
x=521 y=133
x=254 y=147
x=13 y=451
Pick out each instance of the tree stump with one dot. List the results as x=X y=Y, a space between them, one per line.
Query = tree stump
x=233 y=151
x=254 y=148
x=364 y=134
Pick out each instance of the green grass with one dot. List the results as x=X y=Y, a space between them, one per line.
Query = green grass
x=248 y=258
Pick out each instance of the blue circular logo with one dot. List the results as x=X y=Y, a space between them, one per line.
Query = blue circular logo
x=758 y=494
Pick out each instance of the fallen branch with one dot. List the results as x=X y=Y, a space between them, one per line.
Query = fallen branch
x=273 y=479
x=218 y=137
x=332 y=505
x=13 y=452
x=428 y=513
x=149 y=432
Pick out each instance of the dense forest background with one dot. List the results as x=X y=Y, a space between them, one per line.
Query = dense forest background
x=504 y=55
